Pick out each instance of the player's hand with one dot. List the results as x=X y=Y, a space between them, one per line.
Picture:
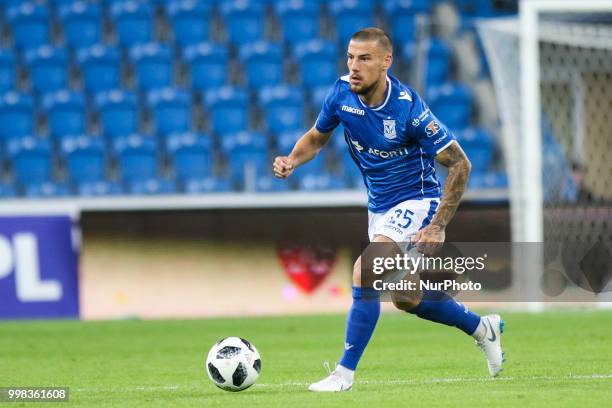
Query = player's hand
x=283 y=166
x=429 y=240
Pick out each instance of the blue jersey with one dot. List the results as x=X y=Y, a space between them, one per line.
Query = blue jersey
x=393 y=144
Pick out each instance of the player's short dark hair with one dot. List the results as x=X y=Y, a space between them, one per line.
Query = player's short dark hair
x=374 y=34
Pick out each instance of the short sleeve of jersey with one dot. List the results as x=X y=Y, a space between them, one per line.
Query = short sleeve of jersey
x=431 y=134
x=328 y=118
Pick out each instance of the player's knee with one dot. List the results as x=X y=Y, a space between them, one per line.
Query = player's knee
x=406 y=301
x=405 y=304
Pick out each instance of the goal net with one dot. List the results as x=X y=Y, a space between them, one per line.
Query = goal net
x=552 y=72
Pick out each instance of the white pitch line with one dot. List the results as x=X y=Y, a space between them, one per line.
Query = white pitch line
x=366 y=382
x=458 y=380
x=128 y=389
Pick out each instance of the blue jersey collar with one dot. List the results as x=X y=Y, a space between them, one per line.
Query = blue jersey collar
x=384 y=103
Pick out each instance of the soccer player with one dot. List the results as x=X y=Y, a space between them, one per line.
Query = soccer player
x=394 y=139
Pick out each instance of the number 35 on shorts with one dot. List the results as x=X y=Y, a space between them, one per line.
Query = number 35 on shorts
x=401 y=218
x=401 y=222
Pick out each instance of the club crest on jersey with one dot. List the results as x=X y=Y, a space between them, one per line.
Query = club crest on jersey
x=389 y=127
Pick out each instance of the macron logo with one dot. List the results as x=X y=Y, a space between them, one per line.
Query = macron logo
x=355 y=111
x=405 y=95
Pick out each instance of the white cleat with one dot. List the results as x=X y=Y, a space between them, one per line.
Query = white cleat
x=491 y=343
x=335 y=382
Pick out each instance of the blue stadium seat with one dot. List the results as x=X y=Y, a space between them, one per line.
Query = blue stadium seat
x=262 y=2
x=488 y=179
x=299 y=20
x=318 y=63
x=98 y=188
x=163 y=3
x=401 y=16
x=247 y=155
x=228 y=107
x=207 y=65
x=315 y=166
x=207 y=185
x=7 y=70
x=30 y=24
x=243 y=141
x=66 y=113
x=270 y=184
x=118 y=111
x=351 y=16
x=16 y=115
x=408 y=51
x=285 y=143
x=100 y=66
x=84 y=157
x=284 y=107
x=151 y=186
x=338 y=142
x=317 y=96
x=322 y=182
x=171 y=109
x=7 y=191
x=137 y=157
x=350 y=171
x=452 y=104
x=263 y=62
x=479 y=8
x=286 y=140
x=47 y=189
x=48 y=68
x=12 y=3
x=244 y=20
x=154 y=65
x=82 y=23
x=30 y=159
x=190 y=154
x=133 y=22
x=478 y=146
x=110 y=3
x=190 y=20
x=60 y=3
x=437 y=62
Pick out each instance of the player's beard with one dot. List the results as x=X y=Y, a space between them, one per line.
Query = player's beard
x=364 y=89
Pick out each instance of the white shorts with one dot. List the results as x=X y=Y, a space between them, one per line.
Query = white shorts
x=401 y=223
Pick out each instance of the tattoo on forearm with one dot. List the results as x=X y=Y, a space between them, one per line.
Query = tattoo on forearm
x=459 y=168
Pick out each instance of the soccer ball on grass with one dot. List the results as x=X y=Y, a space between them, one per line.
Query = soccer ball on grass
x=233 y=364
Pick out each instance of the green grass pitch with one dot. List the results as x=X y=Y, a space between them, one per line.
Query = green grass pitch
x=554 y=359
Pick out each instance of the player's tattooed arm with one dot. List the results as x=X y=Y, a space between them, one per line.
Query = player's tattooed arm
x=431 y=238
x=305 y=149
x=459 y=167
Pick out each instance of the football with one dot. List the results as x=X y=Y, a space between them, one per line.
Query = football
x=233 y=364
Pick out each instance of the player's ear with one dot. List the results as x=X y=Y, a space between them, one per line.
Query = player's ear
x=388 y=60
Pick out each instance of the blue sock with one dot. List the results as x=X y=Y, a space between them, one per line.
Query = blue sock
x=438 y=307
x=360 y=325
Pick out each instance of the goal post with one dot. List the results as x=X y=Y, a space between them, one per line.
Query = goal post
x=530 y=13
x=552 y=69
